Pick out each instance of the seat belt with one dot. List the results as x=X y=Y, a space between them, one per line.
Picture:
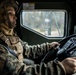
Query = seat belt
x=7 y=48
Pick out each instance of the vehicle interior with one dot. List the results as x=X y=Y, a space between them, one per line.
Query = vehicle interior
x=58 y=24
x=46 y=21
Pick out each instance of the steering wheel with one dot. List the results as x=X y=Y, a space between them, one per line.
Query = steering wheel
x=60 y=53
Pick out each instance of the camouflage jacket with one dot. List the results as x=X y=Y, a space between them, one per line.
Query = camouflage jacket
x=10 y=65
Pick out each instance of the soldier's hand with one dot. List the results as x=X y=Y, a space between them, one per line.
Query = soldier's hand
x=69 y=65
x=54 y=45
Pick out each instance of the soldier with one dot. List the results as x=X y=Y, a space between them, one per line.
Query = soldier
x=13 y=65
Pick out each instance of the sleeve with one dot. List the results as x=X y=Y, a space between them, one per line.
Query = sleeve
x=51 y=68
x=35 y=51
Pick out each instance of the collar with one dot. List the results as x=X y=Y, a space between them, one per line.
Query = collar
x=6 y=30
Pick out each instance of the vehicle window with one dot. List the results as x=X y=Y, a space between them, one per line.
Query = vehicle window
x=50 y=23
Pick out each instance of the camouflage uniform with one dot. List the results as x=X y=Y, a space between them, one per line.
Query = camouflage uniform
x=10 y=65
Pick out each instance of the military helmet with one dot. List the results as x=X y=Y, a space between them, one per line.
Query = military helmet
x=4 y=5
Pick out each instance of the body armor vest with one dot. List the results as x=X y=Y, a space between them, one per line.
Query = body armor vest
x=13 y=41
